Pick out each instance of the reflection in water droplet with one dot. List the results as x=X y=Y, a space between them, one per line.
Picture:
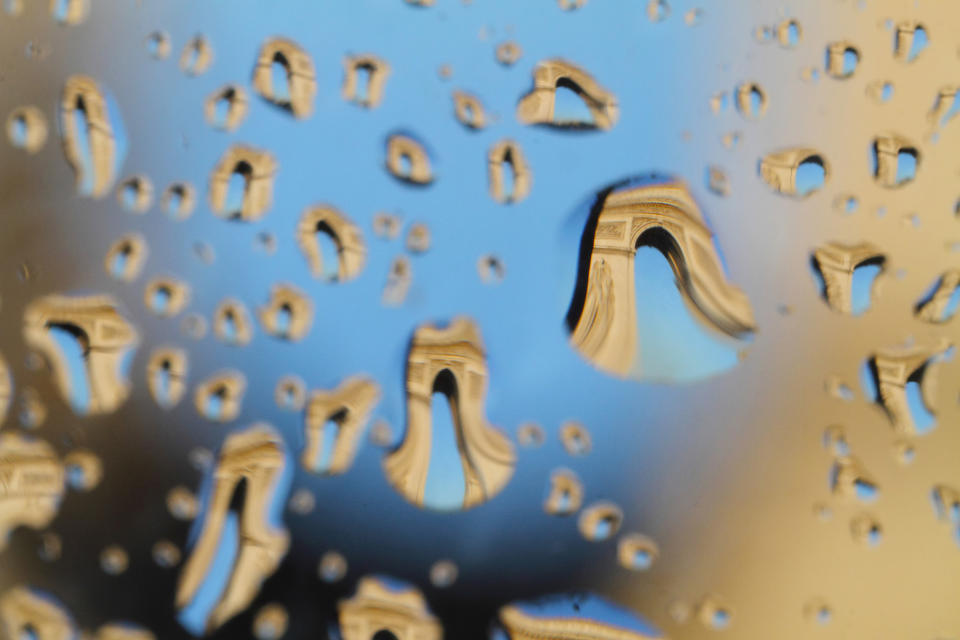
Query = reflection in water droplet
x=483 y=454
x=135 y=194
x=713 y=614
x=365 y=77
x=302 y=502
x=717 y=181
x=241 y=539
x=795 y=172
x=332 y=567
x=817 y=610
x=835 y=440
x=893 y=160
x=658 y=10
x=751 y=100
x=126 y=257
x=880 y=91
x=334 y=425
x=271 y=622
x=581 y=615
x=220 y=397
x=114 y=560
x=443 y=573
x=232 y=323
x=51 y=547
x=33 y=484
x=178 y=201
x=84 y=469
x=226 y=108
x=285 y=75
x=197 y=55
x=89 y=345
x=69 y=12
x=92 y=135
x=32 y=411
x=418 y=238
x=693 y=17
x=564 y=493
x=288 y=314
x=508 y=174
x=166 y=296
x=332 y=244
x=646 y=245
x=158 y=44
x=398 y=282
x=491 y=269
x=290 y=393
x=941 y=301
x=789 y=33
x=182 y=504
x=27 y=129
x=575 y=438
x=381 y=604
x=866 y=530
x=600 y=521
x=167 y=376
x=166 y=554
x=902 y=381
x=241 y=186
x=24 y=612
x=637 y=552
x=508 y=53
x=842 y=59
x=408 y=160
x=530 y=434
x=909 y=40
x=469 y=110
x=539 y=106
x=848 y=479
x=848 y=275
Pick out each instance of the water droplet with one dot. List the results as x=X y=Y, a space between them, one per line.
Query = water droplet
x=508 y=53
x=332 y=567
x=365 y=77
x=285 y=76
x=70 y=12
x=135 y=194
x=637 y=552
x=508 y=174
x=789 y=33
x=51 y=547
x=334 y=425
x=842 y=59
x=386 y=225
x=408 y=160
x=166 y=296
x=580 y=615
x=84 y=470
x=880 y=91
x=158 y=44
x=33 y=484
x=530 y=434
x=398 y=282
x=182 y=504
x=178 y=200
x=288 y=314
x=717 y=181
x=197 y=56
x=226 y=108
x=126 y=257
x=866 y=530
x=575 y=438
x=835 y=440
x=290 y=393
x=718 y=101
x=469 y=110
x=32 y=412
x=909 y=40
x=817 y=610
x=902 y=381
x=600 y=521
x=942 y=299
x=905 y=451
x=713 y=613
x=302 y=502
x=491 y=269
x=92 y=135
x=114 y=560
x=382 y=603
x=167 y=376
x=564 y=493
x=658 y=10
x=480 y=452
x=443 y=573
x=271 y=622
x=762 y=34
x=245 y=488
x=849 y=275
x=731 y=139
x=552 y=76
x=848 y=479
x=693 y=17
x=166 y=554
x=232 y=323
x=27 y=129
x=894 y=160
x=241 y=186
x=220 y=397
x=88 y=342
x=331 y=243
x=795 y=172
x=418 y=238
